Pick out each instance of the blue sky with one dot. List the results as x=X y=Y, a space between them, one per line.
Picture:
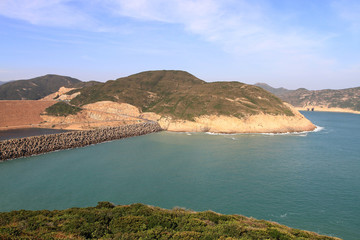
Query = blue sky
x=285 y=43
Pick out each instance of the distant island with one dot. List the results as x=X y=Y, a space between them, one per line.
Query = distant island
x=138 y=221
x=341 y=100
x=177 y=100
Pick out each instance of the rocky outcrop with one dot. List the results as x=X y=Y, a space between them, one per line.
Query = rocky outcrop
x=22 y=147
x=61 y=94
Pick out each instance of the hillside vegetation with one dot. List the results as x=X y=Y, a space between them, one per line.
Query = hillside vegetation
x=39 y=87
x=342 y=98
x=62 y=109
x=181 y=95
x=138 y=221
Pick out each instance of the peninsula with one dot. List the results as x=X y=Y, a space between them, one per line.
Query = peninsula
x=178 y=101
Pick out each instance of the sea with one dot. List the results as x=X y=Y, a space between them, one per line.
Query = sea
x=308 y=180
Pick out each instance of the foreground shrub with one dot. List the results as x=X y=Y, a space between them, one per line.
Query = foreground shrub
x=138 y=221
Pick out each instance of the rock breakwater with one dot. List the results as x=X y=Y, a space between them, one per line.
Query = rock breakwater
x=22 y=147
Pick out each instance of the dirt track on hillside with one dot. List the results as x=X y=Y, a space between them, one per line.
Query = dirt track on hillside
x=21 y=113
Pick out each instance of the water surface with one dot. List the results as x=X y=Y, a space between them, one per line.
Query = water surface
x=27 y=132
x=309 y=181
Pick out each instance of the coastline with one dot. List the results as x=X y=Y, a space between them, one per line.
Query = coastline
x=326 y=109
x=260 y=123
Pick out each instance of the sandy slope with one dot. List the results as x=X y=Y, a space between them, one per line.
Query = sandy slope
x=21 y=113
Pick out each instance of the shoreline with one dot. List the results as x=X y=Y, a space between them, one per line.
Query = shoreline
x=325 y=109
x=317 y=129
x=35 y=145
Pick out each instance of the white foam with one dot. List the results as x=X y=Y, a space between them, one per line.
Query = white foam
x=222 y=134
x=300 y=134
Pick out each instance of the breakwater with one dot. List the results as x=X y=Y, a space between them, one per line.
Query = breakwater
x=22 y=147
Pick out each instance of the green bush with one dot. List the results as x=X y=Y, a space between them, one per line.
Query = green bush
x=62 y=109
x=138 y=221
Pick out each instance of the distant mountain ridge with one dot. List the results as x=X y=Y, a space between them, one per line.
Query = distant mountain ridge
x=1 y=83
x=276 y=91
x=39 y=87
x=348 y=98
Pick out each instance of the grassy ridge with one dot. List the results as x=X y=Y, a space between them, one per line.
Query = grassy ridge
x=139 y=221
x=183 y=96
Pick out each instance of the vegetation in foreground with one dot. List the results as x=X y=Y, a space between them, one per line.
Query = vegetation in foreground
x=138 y=221
x=62 y=109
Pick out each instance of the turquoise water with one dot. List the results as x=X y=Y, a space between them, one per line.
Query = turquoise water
x=309 y=181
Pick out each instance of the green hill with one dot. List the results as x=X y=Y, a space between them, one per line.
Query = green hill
x=138 y=221
x=39 y=87
x=183 y=96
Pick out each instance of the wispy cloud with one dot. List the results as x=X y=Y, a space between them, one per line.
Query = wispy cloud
x=46 y=12
x=253 y=33
x=239 y=26
x=349 y=11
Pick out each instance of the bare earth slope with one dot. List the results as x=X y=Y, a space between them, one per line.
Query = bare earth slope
x=21 y=113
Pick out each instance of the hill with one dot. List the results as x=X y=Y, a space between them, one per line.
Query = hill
x=138 y=221
x=320 y=99
x=39 y=87
x=181 y=95
x=1 y=83
x=182 y=102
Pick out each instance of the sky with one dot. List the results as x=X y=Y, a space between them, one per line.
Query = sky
x=285 y=43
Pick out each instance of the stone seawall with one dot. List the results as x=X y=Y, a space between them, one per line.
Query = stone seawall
x=22 y=147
